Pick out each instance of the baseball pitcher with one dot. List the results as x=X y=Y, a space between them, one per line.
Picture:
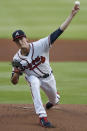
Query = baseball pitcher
x=33 y=60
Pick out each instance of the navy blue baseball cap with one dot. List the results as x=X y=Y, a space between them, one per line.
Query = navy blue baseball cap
x=18 y=34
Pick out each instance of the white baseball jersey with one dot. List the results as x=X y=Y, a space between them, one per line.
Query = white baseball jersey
x=37 y=65
x=37 y=61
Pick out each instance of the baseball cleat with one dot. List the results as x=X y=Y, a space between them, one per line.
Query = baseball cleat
x=45 y=123
x=49 y=105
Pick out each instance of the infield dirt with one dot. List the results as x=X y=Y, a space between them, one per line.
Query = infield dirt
x=23 y=118
x=62 y=50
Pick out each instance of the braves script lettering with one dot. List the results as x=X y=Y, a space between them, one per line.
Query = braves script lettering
x=37 y=61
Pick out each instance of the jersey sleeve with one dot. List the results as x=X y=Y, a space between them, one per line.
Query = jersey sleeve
x=16 y=58
x=55 y=35
x=45 y=43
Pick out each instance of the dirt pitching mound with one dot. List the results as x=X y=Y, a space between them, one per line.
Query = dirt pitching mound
x=23 y=118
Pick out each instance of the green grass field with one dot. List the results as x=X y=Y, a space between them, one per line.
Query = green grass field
x=71 y=81
x=38 y=18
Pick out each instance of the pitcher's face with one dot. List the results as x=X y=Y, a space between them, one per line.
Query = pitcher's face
x=22 y=42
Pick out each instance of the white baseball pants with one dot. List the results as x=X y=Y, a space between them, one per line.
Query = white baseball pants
x=49 y=87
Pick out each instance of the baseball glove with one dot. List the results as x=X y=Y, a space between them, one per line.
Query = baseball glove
x=18 y=65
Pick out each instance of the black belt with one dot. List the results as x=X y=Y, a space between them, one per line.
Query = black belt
x=46 y=75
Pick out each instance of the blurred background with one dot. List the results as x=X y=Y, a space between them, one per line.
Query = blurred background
x=39 y=18
x=68 y=55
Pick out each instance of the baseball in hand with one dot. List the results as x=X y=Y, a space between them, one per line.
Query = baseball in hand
x=77 y=4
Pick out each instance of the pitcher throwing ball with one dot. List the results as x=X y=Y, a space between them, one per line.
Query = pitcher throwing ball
x=33 y=60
